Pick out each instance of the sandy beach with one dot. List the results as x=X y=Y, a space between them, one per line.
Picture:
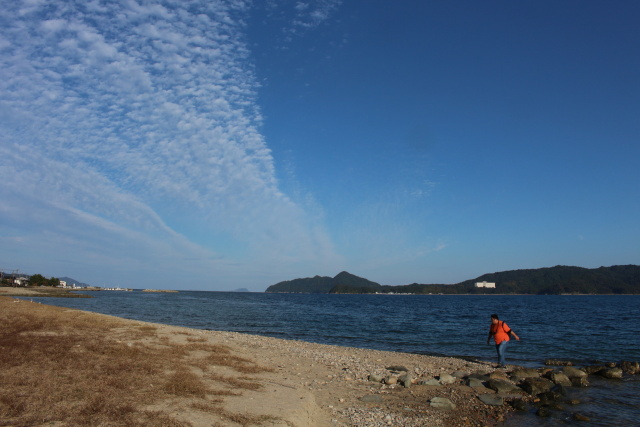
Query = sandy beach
x=64 y=367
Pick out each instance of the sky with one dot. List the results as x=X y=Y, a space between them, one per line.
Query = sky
x=225 y=144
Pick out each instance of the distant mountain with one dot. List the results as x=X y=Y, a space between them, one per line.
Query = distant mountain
x=617 y=279
x=71 y=281
x=324 y=284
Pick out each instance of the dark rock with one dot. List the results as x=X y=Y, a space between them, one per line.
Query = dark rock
x=580 y=417
x=549 y=397
x=611 y=373
x=491 y=399
x=560 y=389
x=610 y=364
x=573 y=402
x=594 y=369
x=631 y=368
x=535 y=386
x=543 y=411
x=519 y=405
x=397 y=368
x=580 y=382
x=554 y=362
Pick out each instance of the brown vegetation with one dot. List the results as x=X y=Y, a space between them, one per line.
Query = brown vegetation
x=67 y=367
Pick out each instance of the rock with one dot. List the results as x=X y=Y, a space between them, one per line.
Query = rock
x=560 y=389
x=491 y=399
x=610 y=364
x=391 y=380
x=543 y=411
x=580 y=382
x=580 y=417
x=631 y=368
x=442 y=403
x=446 y=379
x=572 y=372
x=474 y=382
x=535 y=386
x=594 y=369
x=519 y=405
x=459 y=374
x=397 y=368
x=548 y=397
x=479 y=376
x=432 y=381
x=501 y=386
x=405 y=380
x=376 y=378
x=611 y=373
x=573 y=402
x=500 y=375
x=554 y=362
x=522 y=373
x=560 y=378
x=372 y=398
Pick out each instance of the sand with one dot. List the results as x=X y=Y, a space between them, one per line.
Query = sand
x=274 y=382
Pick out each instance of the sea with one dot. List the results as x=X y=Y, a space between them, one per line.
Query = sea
x=584 y=329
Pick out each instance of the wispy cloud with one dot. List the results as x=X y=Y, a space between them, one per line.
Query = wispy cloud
x=124 y=118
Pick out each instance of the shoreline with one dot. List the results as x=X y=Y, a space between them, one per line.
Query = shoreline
x=295 y=383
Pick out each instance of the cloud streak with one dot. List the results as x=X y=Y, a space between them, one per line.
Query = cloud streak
x=138 y=122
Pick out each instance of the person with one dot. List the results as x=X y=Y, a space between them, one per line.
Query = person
x=500 y=332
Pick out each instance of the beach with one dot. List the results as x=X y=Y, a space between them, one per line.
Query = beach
x=68 y=367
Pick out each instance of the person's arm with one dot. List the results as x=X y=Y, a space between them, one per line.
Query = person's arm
x=514 y=335
x=489 y=337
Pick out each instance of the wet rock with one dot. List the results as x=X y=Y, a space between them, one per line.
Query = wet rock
x=580 y=382
x=442 y=403
x=580 y=417
x=555 y=362
x=535 y=386
x=573 y=402
x=502 y=386
x=519 y=405
x=593 y=369
x=560 y=389
x=611 y=373
x=631 y=368
x=559 y=378
x=572 y=372
x=549 y=397
x=491 y=399
x=543 y=411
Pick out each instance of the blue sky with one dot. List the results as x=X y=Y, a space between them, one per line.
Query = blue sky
x=218 y=144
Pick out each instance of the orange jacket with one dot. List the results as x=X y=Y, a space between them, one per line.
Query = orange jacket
x=500 y=331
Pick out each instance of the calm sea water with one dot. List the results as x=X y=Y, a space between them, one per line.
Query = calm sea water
x=584 y=329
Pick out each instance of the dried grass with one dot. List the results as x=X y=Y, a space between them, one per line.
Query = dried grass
x=67 y=367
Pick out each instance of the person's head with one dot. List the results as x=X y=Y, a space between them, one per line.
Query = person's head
x=494 y=318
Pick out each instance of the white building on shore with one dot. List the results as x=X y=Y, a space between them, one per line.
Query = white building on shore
x=485 y=285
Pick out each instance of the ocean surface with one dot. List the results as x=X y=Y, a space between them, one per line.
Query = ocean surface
x=584 y=329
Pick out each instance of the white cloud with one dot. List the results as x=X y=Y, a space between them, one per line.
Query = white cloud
x=125 y=126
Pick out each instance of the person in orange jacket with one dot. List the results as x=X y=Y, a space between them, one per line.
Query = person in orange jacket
x=500 y=332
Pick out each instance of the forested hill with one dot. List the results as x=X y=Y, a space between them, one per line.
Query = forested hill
x=325 y=285
x=617 y=279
